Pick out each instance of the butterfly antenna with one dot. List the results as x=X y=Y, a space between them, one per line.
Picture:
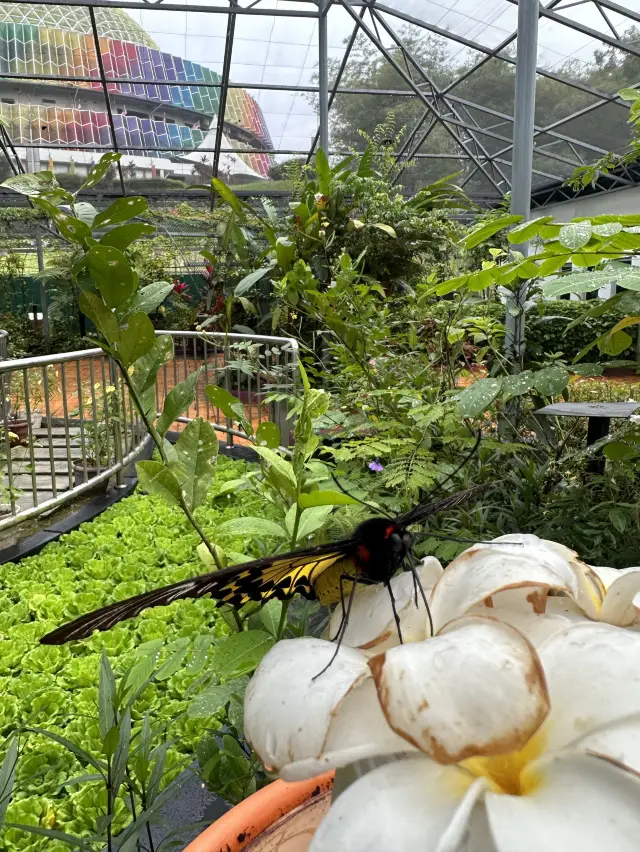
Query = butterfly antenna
x=342 y=629
x=417 y=583
x=358 y=500
x=464 y=461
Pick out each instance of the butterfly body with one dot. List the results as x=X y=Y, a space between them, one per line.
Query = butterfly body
x=372 y=554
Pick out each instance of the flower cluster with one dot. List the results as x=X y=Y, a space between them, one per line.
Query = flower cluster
x=513 y=725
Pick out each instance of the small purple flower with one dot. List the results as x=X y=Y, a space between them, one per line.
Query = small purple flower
x=376 y=466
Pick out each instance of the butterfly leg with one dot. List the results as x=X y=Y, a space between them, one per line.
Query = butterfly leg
x=417 y=584
x=395 y=612
x=345 y=620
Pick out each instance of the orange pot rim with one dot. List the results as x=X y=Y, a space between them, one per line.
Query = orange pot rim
x=246 y=821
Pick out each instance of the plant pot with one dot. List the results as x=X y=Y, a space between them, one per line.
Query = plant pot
x=92 y=470
x=281 y=815
x=18 y=432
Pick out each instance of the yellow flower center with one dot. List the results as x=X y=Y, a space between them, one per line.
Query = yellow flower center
x=510 y=773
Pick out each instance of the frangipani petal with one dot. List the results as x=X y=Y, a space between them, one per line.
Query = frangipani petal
x=560 y=613
x=593 y=675
x=371 y=625
x=606 y=575
x=484 y=570
x=619 y=741
x=618 y=606
x=287 y=713
x=357 y=730
x=577 y=802
x=590 y=589
x=408 y=805
x=476 y=689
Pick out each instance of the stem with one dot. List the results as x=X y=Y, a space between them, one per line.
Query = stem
x=109 y=807
x=143 y=800
x=132 y=799
x=283 y=619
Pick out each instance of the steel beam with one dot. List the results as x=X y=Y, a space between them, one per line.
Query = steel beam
x=224 y=88
x=323 y=75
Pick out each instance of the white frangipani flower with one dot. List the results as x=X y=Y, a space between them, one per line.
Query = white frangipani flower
x=504 y=748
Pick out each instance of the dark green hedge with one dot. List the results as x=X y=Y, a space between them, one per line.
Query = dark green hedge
x=546 y=324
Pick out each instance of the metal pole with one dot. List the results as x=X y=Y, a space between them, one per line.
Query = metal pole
x=525 y=104
x=43 y=294
x=323 y=76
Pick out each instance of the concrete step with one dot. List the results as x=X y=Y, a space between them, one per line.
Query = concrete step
x=56 y=431
x=43 y=483
x=41 y=453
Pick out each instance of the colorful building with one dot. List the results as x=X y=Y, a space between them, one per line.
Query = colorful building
x=160 y=123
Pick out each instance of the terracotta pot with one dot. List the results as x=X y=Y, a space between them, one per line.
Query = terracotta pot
x=281 y=816
x=19 y=428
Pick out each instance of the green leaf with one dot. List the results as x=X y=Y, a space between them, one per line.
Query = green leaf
x=549 y=265
x=386 y=228
x=613 y=343
x=122 y=236
x=323 y=172
x=518 y=384
x=629 y=94
x=364 y=167
x=488 y=229
x=8 y=775
x=618 y=451
x=575 y=235
x=270 y=615
x=527 y=230
x=157 y=479
x=240 y=653
x=609 y=229
x=587 y=370
x=251 y=527
x=478 y=396
x=618 y=518
x=32 y=184
x=177 y=401
x=136 y=340
x=325 y=498
x=71 y=228
x=85 y=758
x=62 y=836
x=121 y=210
x=551 y=380
x=268 y=435
x=173 y=663
x=276 y=461
x=196 y=446
x=229 y=405
x=106 y=696
x=285 y=253
x=97 y=172
x=111 y=273
x=146 y=299
x=228 y=196
x=104 y=320
x=121 y=754
x=146 y=368
x=249 y=280
x=213 y=699
x=586 y=282
x=85 y=212
x=311 y=520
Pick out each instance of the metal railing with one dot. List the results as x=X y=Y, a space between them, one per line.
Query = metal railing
x=68 y=424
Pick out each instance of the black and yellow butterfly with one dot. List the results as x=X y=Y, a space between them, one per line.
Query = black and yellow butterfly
x=374 y=553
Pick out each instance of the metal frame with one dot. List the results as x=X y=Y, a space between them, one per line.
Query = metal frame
x=468 y=125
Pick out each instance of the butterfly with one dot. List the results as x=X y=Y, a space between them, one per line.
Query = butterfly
x=377 y=549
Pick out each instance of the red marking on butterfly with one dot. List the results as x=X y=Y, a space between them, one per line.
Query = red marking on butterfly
x=389 y=531
x=363 y=553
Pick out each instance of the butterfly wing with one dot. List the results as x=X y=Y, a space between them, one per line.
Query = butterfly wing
x=280 y=576
x=425 y=510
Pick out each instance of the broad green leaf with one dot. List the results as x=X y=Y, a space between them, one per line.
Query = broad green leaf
x=325 y=498
x=478 y=396
x=179 y=650
x=136 y=340
x=121 y=754
x=551 y=380
x=323 y=172
x=85 y=758
x=575 y=235
x=97 y=172
x=527 y=230
x=106 y=696
x=249 y=280
x=146 y=368
x=452 y=284
x=624 y=323
x=608 y=229
x=177 y=401
x=618 y=518
x=111 y=273
x=597 y=310
x=364 y=167
x=122 y=236
x=251 y=527
x=268 y=435
x=104 y=320
x=488 y=229
x=8 y=775
x=71 y=228
x=518 y=384
x=549 y=265
x=587 y=282
x=311 y=520
x=587 y=370
x=213 y=699
x=618 y=451
x=121 y=210
x=85 y=212
x=157 y=479
x=276 y=461
x=386 y=228
x=229 y=405
x=270 y=616
x=228 y=196
x=629 y=94
x=195 y=448
x=613 y=343
x=240 y=653
x=32 y=184
x=285 y=253
x=146 y=299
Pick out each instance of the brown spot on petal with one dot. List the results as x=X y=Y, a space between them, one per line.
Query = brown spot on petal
x=489 y=602
x=424 y=705
x=377 y=641
x=538 y=599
